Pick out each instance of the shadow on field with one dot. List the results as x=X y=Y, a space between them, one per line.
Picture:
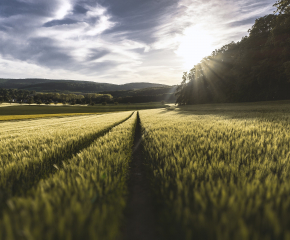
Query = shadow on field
x=139 y=215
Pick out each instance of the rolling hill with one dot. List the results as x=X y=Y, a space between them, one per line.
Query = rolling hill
x=47 y=85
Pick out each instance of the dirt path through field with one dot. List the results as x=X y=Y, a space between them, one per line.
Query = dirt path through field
x=140 y=220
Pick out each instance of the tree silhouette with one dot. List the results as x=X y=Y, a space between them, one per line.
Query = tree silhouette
x=283 y=6
x=256 y=68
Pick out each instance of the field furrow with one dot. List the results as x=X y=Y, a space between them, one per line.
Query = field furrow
x=33 y=158
x=219 y=175
x=38 y=123
x=82 y=200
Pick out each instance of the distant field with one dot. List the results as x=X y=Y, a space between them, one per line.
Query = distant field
x=34 y=111
x=25 y=117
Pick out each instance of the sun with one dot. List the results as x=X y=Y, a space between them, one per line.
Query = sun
x=195 y=44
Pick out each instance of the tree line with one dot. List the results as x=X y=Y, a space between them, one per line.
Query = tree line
x=152 y=94
x=257 y=68
x=131 y=96
x=24 y=96
x=147 y=98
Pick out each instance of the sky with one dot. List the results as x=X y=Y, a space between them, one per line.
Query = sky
x=118 y=41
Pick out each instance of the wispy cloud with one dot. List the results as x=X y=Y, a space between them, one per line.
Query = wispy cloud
x=118 y=40
x=224 y=20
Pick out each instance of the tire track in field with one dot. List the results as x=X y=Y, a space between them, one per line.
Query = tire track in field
x=19 y=181
x=139 y=215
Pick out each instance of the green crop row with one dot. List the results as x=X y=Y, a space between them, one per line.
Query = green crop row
x=219 y=175
x=83 y=200
x=27 y=139
x=35 y=151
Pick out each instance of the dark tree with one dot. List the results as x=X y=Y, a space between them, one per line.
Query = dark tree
x=30 y=100
x=283 y=6
x=257 y=68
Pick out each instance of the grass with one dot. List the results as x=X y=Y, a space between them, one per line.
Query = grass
x=30 y=149
x=220 y=171
x=85 y=197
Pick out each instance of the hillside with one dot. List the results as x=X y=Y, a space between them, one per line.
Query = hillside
x=75 y=92
x=47 y=85
x=152 y=94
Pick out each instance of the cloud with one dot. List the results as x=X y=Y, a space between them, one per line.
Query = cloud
x=39 y=8
x=50 y=42
x=117 y=40
x=65 y=21
x=197 y=27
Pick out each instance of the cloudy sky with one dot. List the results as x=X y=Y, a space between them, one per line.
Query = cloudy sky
x=118 y=41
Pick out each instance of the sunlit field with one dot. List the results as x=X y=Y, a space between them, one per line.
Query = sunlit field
x=215 y=171
x=18 y=112
x=220 y=171
x=64 y=178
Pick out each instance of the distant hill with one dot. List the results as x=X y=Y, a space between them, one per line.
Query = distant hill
x=152 y=94
x=47 y=85
x=151 y=91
